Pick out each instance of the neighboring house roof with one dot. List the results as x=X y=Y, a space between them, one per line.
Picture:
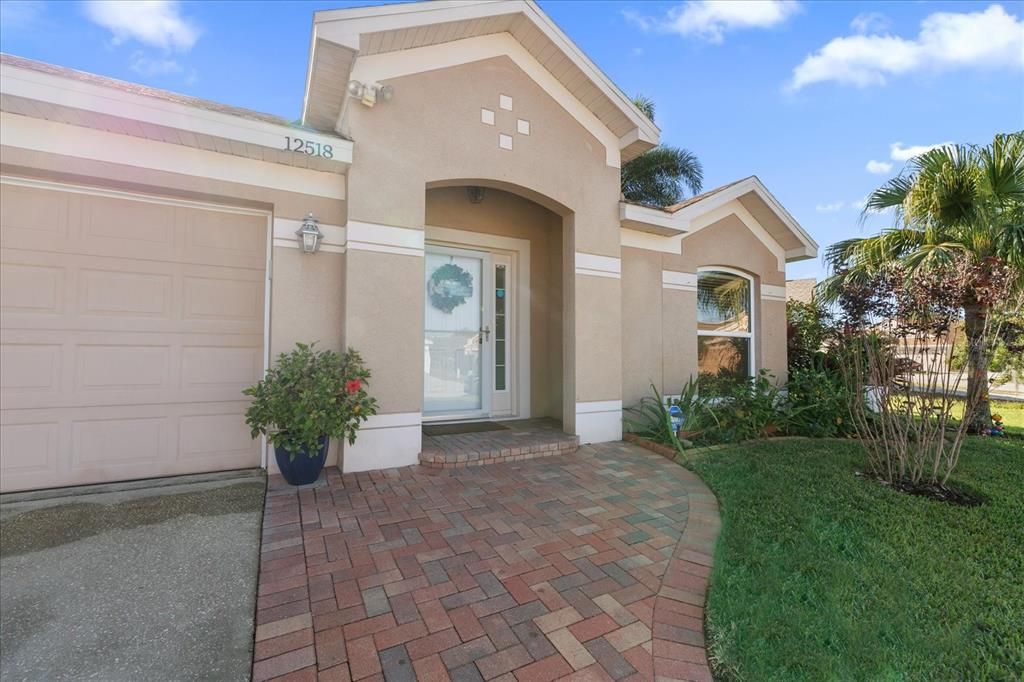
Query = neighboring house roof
x=801 y=290
x=748 y=198
x=44 y=91
x=342 y=37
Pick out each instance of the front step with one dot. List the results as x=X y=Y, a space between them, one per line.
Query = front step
x=521 y=440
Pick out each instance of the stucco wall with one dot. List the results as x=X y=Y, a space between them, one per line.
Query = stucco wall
x=730 y=243
x=659 y=333
x=508 y=215
x=727 y=242
x=642 y=315
x=431 y=135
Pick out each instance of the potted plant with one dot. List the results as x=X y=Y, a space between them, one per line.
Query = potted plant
x=307 y=398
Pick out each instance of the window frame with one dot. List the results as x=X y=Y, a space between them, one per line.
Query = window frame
x=750 y=335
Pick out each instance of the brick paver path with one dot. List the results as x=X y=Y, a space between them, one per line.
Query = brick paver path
x=589 y=566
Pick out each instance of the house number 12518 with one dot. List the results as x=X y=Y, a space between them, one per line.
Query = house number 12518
x=297 y=144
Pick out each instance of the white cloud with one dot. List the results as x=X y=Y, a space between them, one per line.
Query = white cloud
x=897 y=152
x=712 y=19
x=859 y=204
x=878 y=167
x=870 y=22
x=947 y=40
x=149 y=67
x=158 y=23
x=829 y=208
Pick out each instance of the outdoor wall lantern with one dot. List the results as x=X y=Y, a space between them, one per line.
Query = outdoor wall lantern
x=309 y=235
x=369 y=93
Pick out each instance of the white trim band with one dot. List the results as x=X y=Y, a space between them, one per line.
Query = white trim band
x=86 y=143
x=385 y=441
x=598 y=266
x=70 y=92
x=402 y=241
x=773 y=292
x=636 y=239
x=599 y=421
x=679 y=281
x=285 y=229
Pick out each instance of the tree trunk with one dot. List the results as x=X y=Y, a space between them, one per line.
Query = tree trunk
x=977 y=367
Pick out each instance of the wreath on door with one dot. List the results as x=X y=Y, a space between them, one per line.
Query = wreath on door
x=449 y=287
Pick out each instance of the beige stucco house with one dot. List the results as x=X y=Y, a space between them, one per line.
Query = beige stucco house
x=461 y=160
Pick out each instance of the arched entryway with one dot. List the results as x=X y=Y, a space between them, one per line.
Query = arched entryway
x=493 y=303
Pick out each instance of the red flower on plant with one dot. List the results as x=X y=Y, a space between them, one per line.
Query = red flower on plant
x=353 y=385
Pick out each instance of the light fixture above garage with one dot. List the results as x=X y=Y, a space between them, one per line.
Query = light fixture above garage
x=369 y=93
x=309 y=235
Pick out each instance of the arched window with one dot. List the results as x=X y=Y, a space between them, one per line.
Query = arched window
x=725 y=322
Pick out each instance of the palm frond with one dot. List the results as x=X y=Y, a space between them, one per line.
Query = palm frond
x=891 y=195
x=1003 y=166
x=644 y=104
x=656 y=177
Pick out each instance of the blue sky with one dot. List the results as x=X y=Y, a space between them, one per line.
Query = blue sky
x=803 y=94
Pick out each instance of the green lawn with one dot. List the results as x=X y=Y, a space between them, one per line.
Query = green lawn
x=820 y=575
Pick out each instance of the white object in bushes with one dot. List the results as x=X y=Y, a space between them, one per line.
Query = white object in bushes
x=873 y=397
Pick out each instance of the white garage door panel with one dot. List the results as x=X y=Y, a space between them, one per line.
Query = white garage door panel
x=74 y=222
x=47 y=290
x=51 y=368
x=128 y=328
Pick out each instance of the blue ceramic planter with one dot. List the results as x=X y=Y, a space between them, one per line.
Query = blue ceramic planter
x=302 y=469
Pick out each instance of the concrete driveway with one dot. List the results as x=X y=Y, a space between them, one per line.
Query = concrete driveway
x=153 y=582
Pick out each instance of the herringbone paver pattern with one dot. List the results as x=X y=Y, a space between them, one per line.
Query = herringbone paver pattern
x=588 y=566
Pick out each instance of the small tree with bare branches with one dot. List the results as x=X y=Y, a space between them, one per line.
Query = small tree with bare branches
x=900 y=327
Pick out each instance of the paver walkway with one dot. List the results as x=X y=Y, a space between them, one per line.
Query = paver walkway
x=590 y=566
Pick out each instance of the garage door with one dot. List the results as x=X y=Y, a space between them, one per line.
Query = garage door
x=128 y=327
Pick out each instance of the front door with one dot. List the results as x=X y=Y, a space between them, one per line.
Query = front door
x=457 y=333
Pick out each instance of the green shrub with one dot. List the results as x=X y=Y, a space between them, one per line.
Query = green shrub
x=723 y=409
x=651 y=419
x=818 y=403
x=809 y=329
x=309 y=394
x=744 y=409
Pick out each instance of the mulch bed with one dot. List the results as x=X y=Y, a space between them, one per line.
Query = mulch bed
x=933 y=491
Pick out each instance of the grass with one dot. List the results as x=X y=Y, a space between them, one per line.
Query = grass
x=820 y=575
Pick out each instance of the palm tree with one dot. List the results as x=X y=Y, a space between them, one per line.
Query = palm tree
x=657 y=176
x=953 y=202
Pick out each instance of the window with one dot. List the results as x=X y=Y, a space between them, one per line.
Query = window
x=725 y=341
x=500 y=333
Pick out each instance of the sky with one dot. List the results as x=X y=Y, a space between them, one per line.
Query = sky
x=824 y=101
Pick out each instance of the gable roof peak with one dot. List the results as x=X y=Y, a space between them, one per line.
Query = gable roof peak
x=342 y=37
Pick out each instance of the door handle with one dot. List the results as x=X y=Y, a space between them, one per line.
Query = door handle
x=485 y=334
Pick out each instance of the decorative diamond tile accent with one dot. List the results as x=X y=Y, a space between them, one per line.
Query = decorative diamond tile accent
x=505 y=102
x=505 y=141
x=522 y=126
x=487 y=117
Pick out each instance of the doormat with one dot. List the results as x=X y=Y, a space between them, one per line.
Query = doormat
x=466 y=427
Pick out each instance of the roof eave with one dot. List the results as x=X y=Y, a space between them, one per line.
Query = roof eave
x=667 y=223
